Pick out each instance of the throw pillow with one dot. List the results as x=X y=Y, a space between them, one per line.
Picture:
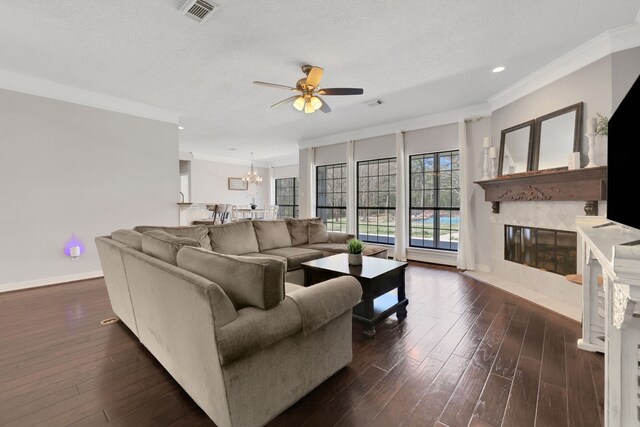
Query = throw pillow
x=318 y=233
x=247 y=281
x=164 y=246
x=298 y=229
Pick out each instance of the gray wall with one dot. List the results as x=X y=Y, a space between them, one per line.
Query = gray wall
x=625 y=68
x=591 y=85
x=480 y=210
x=68 y=168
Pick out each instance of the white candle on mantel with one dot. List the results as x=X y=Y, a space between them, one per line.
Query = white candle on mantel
x=493 y=153
x=593 y=124
x=486 y=142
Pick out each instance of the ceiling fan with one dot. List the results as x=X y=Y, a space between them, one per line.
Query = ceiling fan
x=308 y=100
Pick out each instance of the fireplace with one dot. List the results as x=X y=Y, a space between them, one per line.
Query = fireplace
x=549 y=250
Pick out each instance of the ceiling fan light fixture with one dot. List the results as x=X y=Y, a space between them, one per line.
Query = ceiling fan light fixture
x=315 y=103
x=308 y=108
x=298 y=104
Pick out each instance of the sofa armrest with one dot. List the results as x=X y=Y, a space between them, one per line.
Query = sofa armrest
x=323 y=302
x=255 y=329
x=340 y=237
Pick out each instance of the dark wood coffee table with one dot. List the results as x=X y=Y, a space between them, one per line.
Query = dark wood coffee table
x=378 y=278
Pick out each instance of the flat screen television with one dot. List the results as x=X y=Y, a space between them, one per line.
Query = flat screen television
x=623 y=153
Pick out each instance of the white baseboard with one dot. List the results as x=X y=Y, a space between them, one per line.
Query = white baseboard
x=545 y=301
x=6 y=287
x=432 y=256
x=483 y=267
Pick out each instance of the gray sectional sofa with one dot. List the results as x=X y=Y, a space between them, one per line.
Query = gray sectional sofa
x=214 y=306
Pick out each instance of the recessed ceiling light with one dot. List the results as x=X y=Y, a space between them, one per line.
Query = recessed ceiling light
x=180 y=127
x=498 y=69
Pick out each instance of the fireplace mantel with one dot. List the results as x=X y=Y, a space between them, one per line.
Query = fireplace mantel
x=587 y=184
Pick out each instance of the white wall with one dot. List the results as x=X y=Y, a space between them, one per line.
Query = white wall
x=289 y=171
x=209 y=183
x=67 y=168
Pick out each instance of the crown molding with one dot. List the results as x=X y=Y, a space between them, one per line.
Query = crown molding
x=422 y=122
x=611 y=41
x=228 y=160
x=291 y=159
x=39 y=87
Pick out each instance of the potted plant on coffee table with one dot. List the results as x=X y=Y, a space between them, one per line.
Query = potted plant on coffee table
x=354 y=249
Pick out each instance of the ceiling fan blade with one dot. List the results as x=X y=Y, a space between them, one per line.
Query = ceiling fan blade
x=284 y=101
x=325 y=107
x=341 y=91
x=313 y=79
x=277 y=86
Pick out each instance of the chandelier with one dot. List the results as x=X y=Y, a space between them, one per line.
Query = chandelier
x=252 y=176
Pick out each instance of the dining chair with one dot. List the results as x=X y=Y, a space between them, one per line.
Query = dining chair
x=221 y=213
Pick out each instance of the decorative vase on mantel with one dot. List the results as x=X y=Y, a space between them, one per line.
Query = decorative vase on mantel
x=253 y=205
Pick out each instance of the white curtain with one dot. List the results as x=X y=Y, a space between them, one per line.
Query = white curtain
x=311 y=186
x=272 y=187
x=400 y=249
x=352 y=211
x=466 y=257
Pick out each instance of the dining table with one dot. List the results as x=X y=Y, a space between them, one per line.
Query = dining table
x=258 y=212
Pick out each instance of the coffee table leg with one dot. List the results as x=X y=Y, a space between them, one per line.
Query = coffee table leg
x=369 y=331
x=401 y=314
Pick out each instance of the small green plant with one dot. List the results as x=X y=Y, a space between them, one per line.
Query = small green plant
x=355 y=246
x=602 y=125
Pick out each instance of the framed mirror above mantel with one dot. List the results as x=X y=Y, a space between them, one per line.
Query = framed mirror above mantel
x=544 y=143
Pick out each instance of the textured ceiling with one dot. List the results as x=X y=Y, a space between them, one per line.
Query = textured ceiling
x=419 y=56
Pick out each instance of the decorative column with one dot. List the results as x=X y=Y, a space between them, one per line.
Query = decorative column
x=486 y=143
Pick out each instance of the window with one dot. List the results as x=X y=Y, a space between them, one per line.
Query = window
x=377 y=200
x=331 y=196
x=287 y=197
x=434 y=211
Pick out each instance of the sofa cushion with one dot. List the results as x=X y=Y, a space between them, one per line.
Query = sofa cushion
x=199 y=233
x=329 y=249
x=295 y=256
x=298 y=229
x=317 y=233
x=128 y=237
x=234 y=238
x=272 y=234
x=248 y=281
x=263 y=255
x=164 y=246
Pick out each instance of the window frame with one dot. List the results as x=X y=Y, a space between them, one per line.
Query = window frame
x=436 y=198
x=296 y=202
x=331 y=208
x=391 y=238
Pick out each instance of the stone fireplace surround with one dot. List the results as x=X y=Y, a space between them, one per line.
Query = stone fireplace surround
x=541 y=287
x=543 y=199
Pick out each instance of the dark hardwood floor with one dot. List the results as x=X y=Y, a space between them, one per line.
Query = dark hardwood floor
x=468 y=354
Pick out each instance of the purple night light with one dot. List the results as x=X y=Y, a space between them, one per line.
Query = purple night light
x=74 y=241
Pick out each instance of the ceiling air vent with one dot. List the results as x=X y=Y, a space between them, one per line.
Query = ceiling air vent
x=374 y=103
x=199 y=10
